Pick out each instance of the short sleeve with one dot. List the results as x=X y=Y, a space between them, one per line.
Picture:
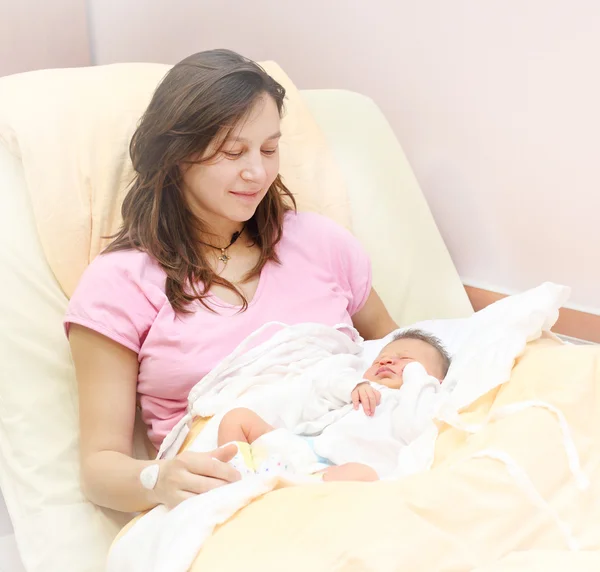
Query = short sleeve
x=355 y=265
x=113 y=300
x=350 y=262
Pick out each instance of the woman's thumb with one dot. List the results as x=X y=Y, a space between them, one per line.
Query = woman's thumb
x=225 y=453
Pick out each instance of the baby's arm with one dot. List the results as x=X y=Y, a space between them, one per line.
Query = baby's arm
x=243 y=425
x=328 y=392
x=335 y=389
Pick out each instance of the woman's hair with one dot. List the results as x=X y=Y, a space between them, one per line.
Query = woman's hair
x=202 y=97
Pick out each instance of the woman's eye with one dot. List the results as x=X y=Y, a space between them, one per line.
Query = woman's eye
x=269 y=151
x=232 y=155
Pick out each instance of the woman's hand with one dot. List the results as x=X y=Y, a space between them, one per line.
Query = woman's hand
x=190 y=474
x=368 y=396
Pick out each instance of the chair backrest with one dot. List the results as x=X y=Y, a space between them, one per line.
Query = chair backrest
x=56 y=528
x=412 y=269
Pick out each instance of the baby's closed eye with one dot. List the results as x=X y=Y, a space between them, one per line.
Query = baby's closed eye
x=399 y=358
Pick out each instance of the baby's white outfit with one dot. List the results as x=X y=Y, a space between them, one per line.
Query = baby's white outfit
x=388 y=441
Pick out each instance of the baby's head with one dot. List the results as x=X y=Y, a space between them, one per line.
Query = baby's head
x=406 y=347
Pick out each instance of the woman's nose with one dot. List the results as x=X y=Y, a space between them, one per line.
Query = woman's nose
x=254 y=171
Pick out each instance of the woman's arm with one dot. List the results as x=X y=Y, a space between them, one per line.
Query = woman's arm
x=373 y=320
x=107 y=379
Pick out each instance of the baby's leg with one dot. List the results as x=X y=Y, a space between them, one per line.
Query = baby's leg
x=243 y=425
x=350 y=472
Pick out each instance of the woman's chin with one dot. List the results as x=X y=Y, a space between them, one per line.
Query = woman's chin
x=243 y=213
x=241 y=216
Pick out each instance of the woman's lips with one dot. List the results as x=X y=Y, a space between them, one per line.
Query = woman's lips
x=245 y=196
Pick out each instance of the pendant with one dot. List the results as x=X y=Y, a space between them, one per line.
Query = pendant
x=224 y=258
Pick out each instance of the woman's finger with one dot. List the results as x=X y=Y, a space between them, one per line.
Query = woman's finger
x=220 y=470
x=204 y=464
x=224 y=454
x=198 y=484
x=178 y=498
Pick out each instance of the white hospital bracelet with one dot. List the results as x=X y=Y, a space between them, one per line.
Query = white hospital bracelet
x=149 y=476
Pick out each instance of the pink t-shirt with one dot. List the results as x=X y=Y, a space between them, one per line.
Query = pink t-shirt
x=324 y=276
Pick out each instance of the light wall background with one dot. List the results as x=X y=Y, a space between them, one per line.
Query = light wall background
x=37 y=34
x=496 y=103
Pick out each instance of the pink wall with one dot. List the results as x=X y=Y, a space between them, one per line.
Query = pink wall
x=495 y=103
x=36 y=34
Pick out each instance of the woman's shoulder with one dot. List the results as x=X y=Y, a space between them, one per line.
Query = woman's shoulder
x=119 y=295
x=313 y=227
x=130 y=274
x=320 y=242
x=123 y=257
x=134 y=264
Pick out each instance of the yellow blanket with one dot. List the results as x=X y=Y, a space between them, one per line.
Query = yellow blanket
x=465 y=514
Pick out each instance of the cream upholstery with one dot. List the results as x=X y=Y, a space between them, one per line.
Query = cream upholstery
x=412 y=270
x=56 y=529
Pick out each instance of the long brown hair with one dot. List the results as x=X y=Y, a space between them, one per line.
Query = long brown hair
x=202 y=97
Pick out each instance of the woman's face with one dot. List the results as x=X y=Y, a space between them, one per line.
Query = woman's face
x=228 y=187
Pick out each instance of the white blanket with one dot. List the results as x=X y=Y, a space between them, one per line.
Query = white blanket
x=282 y=380
x=275 y=379
x=302 y=380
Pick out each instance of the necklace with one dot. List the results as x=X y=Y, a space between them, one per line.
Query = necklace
x=224 y=257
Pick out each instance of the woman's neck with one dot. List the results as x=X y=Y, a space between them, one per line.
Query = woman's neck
x=220 y=235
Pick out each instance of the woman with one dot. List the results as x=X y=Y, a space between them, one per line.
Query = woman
x=211 y=248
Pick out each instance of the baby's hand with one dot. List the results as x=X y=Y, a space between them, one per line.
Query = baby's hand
x=368 y=396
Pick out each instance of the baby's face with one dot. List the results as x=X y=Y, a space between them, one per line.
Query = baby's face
x=389 y=365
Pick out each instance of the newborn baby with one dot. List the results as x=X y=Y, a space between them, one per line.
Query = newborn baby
x=358 y=446
x=387 y=368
